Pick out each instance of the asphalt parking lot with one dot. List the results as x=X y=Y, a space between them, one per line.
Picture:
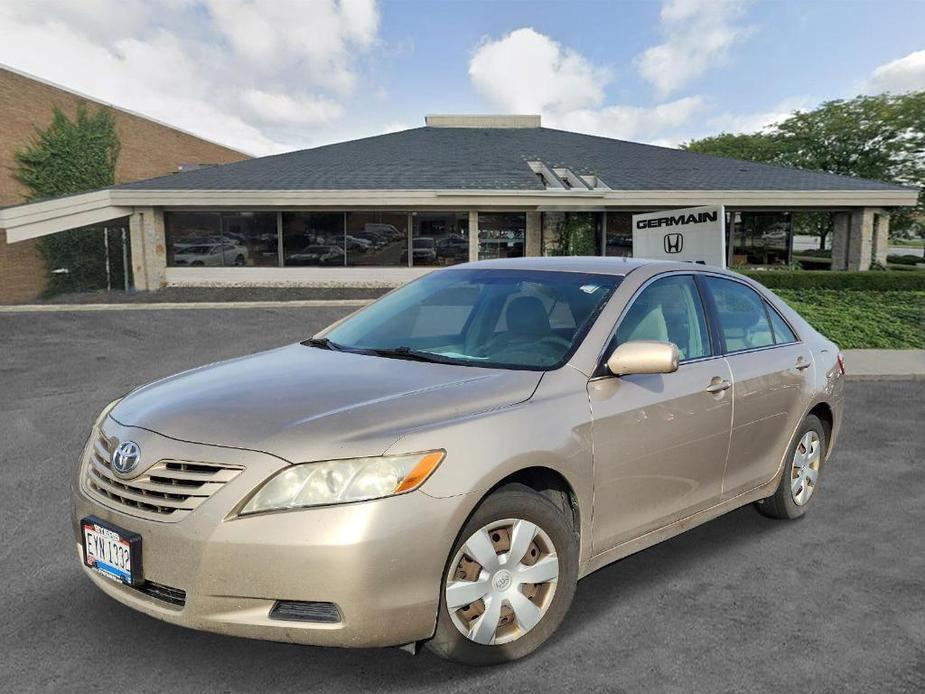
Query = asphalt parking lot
x=832 y=602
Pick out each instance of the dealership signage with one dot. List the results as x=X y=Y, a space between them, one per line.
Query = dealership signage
x=694 y=234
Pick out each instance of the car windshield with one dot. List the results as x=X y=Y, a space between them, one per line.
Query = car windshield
x=517 y=319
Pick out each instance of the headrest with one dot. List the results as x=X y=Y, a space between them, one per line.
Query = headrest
x=527 y=315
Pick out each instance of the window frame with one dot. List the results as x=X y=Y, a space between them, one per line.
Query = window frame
x=769 y=307
x=717 y=327
x=602 y=372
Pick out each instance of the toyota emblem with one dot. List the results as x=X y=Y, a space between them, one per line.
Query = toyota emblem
x=126 y=457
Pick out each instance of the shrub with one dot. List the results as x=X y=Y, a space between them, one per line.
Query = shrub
x=907 y=259
x=72 y=156
x=865 y=281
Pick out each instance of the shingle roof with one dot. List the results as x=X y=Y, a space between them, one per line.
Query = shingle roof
x=437 y=158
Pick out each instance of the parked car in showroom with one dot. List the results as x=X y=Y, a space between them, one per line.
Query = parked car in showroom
x=423 y=251
x=443 y=465
x=317 y=255
x=210 y=254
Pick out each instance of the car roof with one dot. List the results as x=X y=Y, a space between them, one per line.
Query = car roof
x=612 y=265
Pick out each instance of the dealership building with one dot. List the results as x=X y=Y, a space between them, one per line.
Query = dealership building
x=382 y=210
x=148 y=148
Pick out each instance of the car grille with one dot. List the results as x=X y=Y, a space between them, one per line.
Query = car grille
x=167 y=491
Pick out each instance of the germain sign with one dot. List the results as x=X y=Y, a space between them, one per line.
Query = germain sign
x=694 y=235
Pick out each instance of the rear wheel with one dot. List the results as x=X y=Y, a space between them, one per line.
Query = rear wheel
x=510 y=579
x=800 y=478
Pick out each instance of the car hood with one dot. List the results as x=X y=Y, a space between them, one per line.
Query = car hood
x=303 y=403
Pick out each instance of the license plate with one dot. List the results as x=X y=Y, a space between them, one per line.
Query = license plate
x=112 y=551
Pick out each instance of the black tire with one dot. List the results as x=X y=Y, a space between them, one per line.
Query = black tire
x=781 y=504
x=240 y=261
x=522 y=502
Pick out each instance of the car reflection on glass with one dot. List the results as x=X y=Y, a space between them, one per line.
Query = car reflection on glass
x=317 y=255
x=210 y=254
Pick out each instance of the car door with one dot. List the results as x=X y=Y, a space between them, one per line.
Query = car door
x=772 y=372
x=660 y=440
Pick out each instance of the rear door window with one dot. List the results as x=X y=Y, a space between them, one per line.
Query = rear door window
x=743 y=318
x=783 y=334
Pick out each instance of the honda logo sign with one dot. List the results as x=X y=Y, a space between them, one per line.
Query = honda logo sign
x=693 y=234
x=673 y=243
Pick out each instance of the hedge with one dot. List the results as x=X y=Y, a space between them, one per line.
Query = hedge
x=873 y=281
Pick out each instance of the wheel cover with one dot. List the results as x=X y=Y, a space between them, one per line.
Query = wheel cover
x=502 y=581
x=804 y=471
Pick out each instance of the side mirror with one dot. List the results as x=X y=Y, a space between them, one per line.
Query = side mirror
x=644 y=357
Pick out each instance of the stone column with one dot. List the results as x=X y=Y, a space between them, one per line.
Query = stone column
x=149 y=248
x=551 y=222
x=840 y=226
x=473 y=236
x=534 y=235
x=881 y=237
x=861 y=239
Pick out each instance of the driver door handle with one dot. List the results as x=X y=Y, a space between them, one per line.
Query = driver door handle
x=719 y=386
x=802 y=364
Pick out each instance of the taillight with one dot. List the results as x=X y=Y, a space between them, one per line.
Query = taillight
x=841 y=363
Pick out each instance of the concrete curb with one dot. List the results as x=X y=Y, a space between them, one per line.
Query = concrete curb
x=77 y=308
x=885 y=364
x=867 y=378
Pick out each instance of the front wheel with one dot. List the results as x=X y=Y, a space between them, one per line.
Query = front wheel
x=800 y=477
x=510 y=579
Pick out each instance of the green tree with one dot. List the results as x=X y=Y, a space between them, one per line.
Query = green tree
x=878 y=137
x=575 y=235
x=71 y=156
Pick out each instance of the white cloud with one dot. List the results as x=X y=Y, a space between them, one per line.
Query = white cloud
x=258 y=75
x=907 y=74
x=270 y=107
x=528 y=72
x=698 y=35
x=731 y=122
x=648 y=124
x=271 y=35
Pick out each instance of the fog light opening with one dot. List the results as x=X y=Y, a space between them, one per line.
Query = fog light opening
x=300 y=611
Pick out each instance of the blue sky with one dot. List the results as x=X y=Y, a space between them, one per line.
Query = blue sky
x=273 y=75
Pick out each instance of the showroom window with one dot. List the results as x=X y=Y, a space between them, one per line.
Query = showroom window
x=501 y=234
x=313 y=239
x=318 y=239
x=439 y=238
x=377 y=239
x=212 y=239
x=253 y=234
x=618 y=237
x=576 y=233
x=760 y=238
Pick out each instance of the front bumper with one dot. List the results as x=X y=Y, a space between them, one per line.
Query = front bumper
x=381 y=562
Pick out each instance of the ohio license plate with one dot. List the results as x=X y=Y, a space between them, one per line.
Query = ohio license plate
x=112 y=551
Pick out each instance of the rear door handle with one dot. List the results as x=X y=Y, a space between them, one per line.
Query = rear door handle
x=719 y=387
x=802 y=364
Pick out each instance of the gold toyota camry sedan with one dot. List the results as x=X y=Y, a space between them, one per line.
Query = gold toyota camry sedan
x=442 y=466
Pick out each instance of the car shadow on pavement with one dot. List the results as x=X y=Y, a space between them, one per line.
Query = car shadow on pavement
x=182 y=660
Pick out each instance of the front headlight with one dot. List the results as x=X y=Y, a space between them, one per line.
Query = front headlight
x=341 y=481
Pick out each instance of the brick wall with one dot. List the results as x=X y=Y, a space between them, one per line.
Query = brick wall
x=148 y=149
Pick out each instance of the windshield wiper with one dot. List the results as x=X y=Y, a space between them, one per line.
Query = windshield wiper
x=323 y=343
x=404 y=352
